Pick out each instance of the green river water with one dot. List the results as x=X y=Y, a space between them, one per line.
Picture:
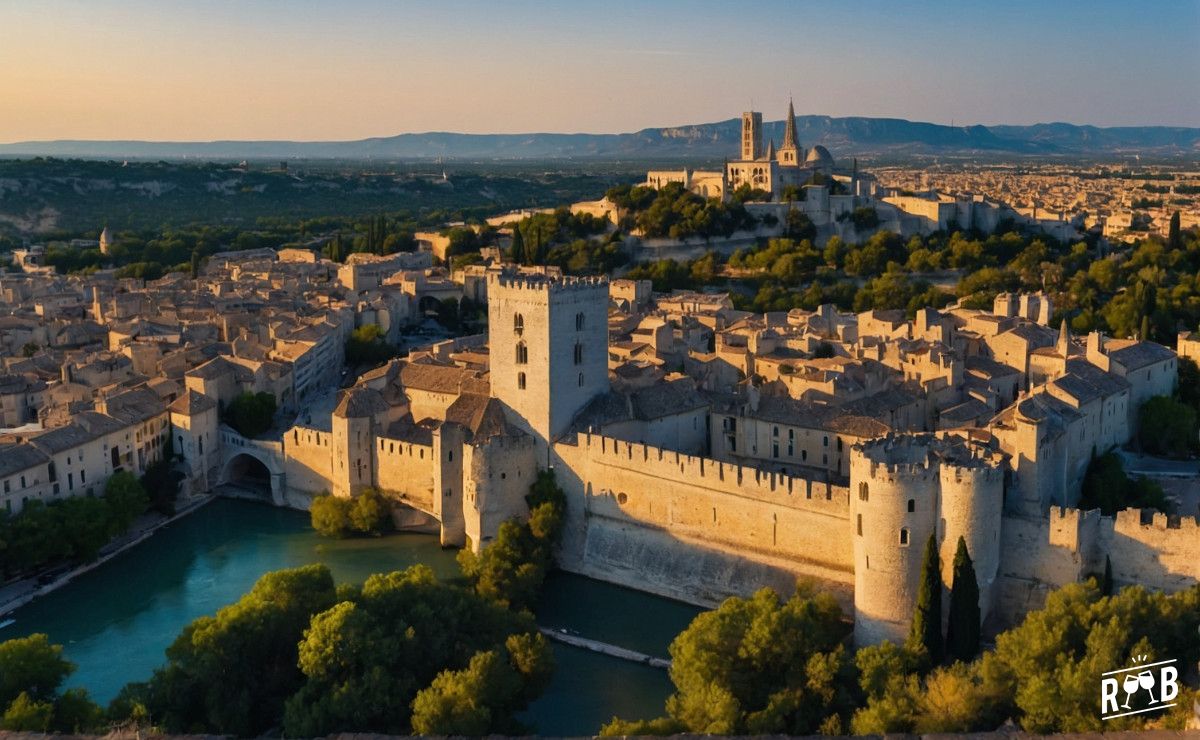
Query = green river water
x=116 y=621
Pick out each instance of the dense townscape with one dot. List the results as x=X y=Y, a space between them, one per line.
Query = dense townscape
x=894 y=388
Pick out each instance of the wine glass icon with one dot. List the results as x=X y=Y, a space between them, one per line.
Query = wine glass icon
x=1146 y=679
x=1130 y=685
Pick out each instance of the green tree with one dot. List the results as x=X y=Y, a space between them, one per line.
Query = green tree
x=26 y=714
x=126 y=499
x=251 y=414
x=926 y=631
x=231 y=673
x=330 y=515
x=1167 y=426
x=482 y=698
x=1107 y=488
x=367 y=345
x=369 y=513
x=365 y=659
x=962 y=630
x=516 y=252
x=760 y=665
x=1174 y=237
x=33 y=666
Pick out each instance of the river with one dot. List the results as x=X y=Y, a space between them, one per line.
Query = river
x=116 y=621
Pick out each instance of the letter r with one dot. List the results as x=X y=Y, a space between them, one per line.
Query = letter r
x=1108 y=693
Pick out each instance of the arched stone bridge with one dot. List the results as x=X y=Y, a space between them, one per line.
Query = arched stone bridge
x=254 y=465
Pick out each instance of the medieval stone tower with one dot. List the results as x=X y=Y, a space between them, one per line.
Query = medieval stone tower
x=361 y=412
x=548 y=349
x=751 y=135
x=902 y=490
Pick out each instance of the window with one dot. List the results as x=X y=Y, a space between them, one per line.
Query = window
x=859 y=523
x=825 y=441
x=904 y=536
x=912 y=505
x=578 y=353
x=83 y=476
x=580 y=380
x=864 y=493
x=775 y=432
x=522 y=354
x=579 y=321
x=521 y=381
x=518 y=324
x=774 y=449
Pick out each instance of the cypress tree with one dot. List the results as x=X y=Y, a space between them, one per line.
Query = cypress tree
x=1106 y=585
x=1174 y=238
x=962 y=633
x=926 y=628
x=1144 y=331
x=517 y=252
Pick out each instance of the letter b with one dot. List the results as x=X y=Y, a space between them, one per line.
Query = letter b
x=1170 y=683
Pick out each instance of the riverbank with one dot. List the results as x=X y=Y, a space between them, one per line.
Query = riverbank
x=17 y=594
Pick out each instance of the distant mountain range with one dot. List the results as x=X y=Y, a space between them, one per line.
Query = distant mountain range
x=842 y=136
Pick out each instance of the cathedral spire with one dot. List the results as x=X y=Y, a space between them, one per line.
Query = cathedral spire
x=790 y=140
x=771 y=150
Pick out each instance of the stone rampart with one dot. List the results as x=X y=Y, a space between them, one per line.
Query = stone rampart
x=697 y=528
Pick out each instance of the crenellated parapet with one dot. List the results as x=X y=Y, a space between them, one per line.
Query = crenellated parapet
x=746 y=481
x=548 y=283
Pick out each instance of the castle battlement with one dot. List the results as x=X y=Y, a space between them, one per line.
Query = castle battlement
x=548 y=284
x=1132 y=519
x=921 y=455
x=793 y=491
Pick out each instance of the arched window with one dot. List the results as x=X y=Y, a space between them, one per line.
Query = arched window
x=578 y=352
x=518 y=323
x=579 y=321
x=580 y=380
x=863 y=493
x=522 y=353
x=904 y=536
x=912 y=505
x=521 y=381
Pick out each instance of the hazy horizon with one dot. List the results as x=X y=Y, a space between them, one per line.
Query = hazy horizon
x=311 y=71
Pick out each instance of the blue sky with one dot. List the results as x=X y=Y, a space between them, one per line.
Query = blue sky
x=325 y=70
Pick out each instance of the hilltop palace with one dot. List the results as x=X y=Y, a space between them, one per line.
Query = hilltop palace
x=704 y=451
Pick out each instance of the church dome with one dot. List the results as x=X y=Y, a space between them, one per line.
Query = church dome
x=819 y=155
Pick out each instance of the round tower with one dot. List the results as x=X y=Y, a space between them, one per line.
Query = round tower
x=972 y=493
x=893 y=510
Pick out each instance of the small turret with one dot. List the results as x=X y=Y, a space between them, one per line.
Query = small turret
x=1063 y=346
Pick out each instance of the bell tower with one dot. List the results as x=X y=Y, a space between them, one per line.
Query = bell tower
x=751 y=136
x=548 y=349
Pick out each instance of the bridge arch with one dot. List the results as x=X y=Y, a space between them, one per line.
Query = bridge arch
x=254 y=466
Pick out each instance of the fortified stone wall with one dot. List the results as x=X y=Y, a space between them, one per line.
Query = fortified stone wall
x=697 y=528
x=307 y=460
x=1041 y=554
x=405 y=469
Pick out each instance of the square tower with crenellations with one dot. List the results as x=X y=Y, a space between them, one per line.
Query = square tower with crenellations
x=548 y=348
